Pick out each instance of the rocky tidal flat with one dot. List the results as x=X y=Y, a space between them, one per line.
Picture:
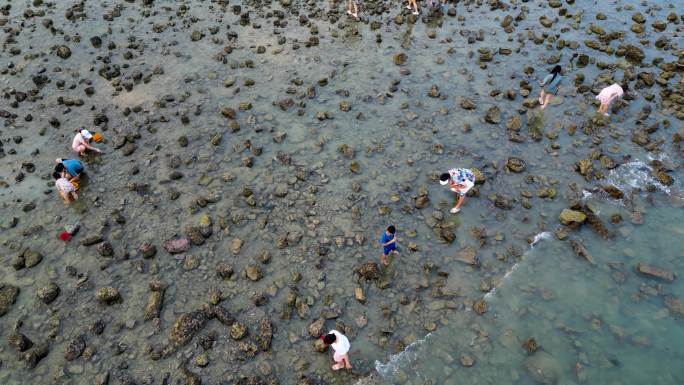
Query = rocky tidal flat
x=254 y=152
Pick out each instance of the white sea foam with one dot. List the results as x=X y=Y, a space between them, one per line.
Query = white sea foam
x=402 y=359
x=413 y=351
x=540 y=236
x=490 y=294
x=634 y=175
x=545 y=235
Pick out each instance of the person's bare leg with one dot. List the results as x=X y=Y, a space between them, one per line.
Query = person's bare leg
x=457 y=208
x=65 y=197
x=80 y=150
x=461 y=199
x=383 y=260
x=347 y=364
x=541 y=98
x=547 y=101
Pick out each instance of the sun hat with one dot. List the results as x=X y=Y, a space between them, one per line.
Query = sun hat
x=86 y=134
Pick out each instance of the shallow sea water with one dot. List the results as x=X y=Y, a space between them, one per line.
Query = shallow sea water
x=545 y=292
x=598 y=323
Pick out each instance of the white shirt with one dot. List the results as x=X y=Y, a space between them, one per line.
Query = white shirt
x=341 y=344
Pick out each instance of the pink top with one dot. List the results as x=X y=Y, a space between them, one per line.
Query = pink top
x=610 y=93
x=78 y=140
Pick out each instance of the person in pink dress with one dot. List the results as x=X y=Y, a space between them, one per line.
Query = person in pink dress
x=64 y=187
x=607 y=95
x=81 y=143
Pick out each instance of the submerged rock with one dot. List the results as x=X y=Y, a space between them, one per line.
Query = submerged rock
x=177 y=245
x=154 y=303
x=265 y=334
x=19 y=341
x=655 y=272
x=236 y=246
x=31 y=258
x=467 y=360
x=148 y=250
x=63 y=51
x=572 y=217
x=530 y=345
x=543 y=368
x=33 y=356
x=582 y=251
x=400 y=59
x=105 y=249
x=92 y=240
x=480 y=307
x=224 y=270
x=8 y=295
x=74 y=348
x=317 y=328
x=516 y=165
x=468 y=256
x=493 y=115
x=221 y=314
x=634 y=53
x=48 y=293
x=253 y=272
x=613 y=192
x=675 y=305
x=187 y=325
x=369 y=271
x=238 y=331
x=467 y=104
x=108 y=295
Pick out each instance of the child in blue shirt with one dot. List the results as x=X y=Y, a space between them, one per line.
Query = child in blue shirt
x=389 y=244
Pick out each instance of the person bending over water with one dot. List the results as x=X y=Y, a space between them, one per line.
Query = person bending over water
x=73 y=168
x=414 y=5
x=550 y=86
x=64 y=187
x=340 y=345
x=607 y=95
x=81 y=143
x=442 y=4
x=353 y=8
x=460 y=180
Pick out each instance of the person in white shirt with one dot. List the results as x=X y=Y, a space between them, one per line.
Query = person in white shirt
x=340 y=345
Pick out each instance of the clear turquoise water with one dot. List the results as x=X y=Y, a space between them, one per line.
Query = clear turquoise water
x=600 y=324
